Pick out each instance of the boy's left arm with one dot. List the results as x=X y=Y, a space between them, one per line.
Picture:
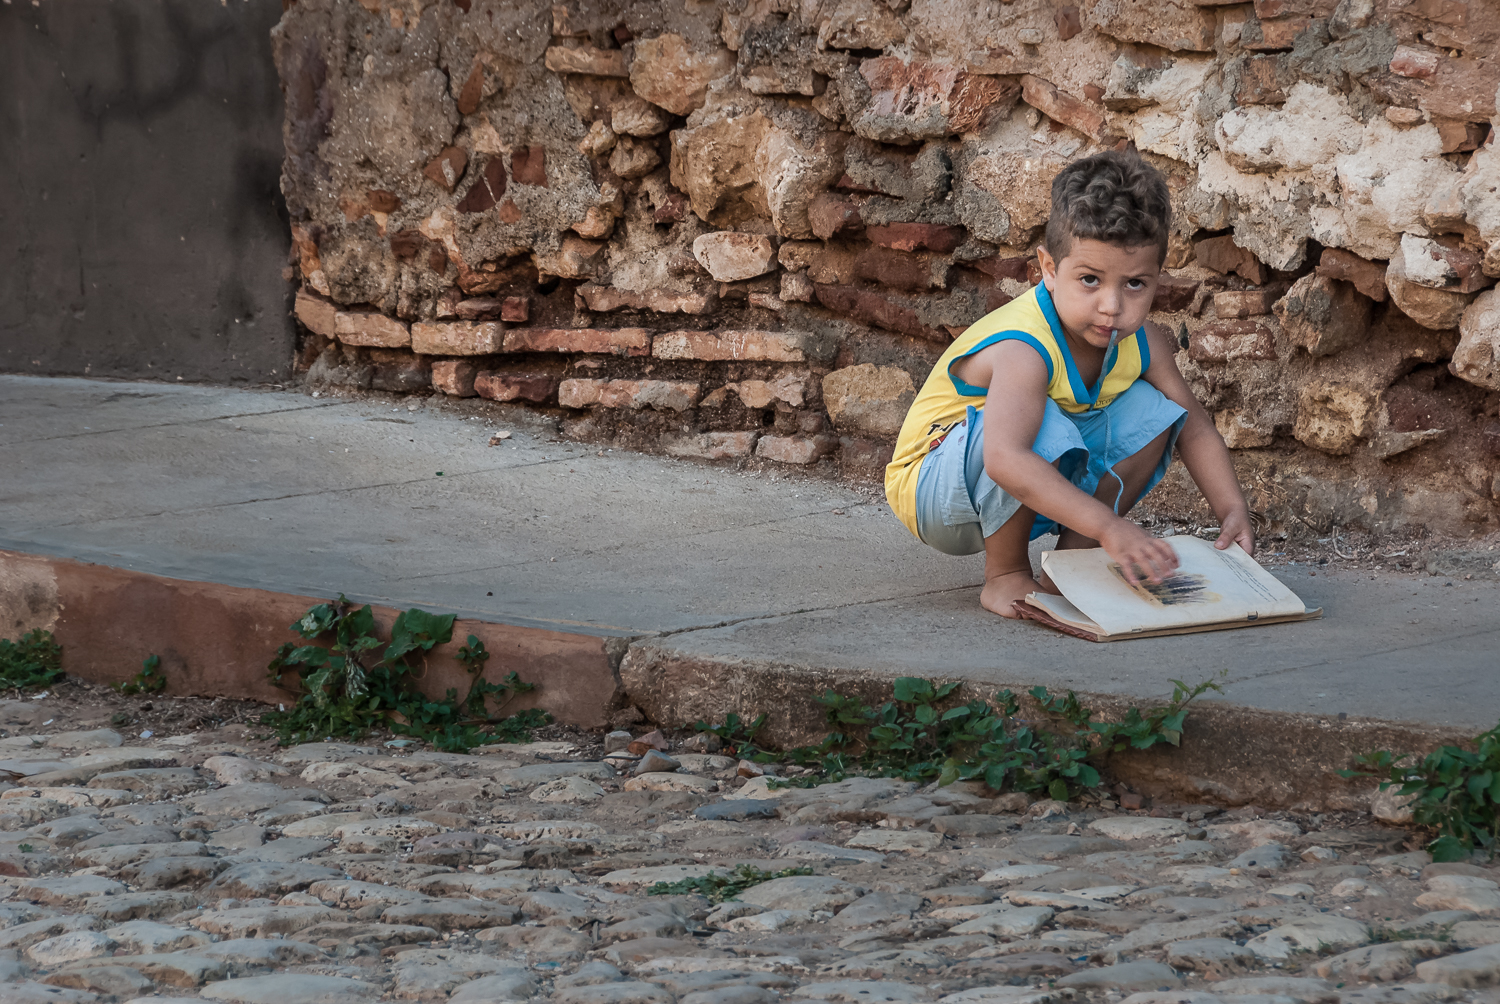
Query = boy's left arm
x=1201 y=446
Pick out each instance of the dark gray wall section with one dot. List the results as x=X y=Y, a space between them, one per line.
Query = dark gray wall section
x=142 y=230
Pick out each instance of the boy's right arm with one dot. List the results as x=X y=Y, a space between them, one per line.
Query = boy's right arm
x=1017 y=380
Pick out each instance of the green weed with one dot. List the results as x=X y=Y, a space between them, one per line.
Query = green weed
x=1455 y=792
x=149 y=680
x=359 y=682
x=33 y=660
x=718 y=886
x=922 y=735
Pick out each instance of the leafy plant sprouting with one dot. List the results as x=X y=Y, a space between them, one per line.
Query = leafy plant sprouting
x=33 y=660
x=148 y=680
x=719 y=886
x=1454 y=791
x=358 y=682
x=920 y=735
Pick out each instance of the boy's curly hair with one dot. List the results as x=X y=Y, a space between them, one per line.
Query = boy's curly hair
x=1113 y=197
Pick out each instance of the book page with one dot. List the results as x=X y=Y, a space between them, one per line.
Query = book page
x=1060 y=609
x=1208 y=587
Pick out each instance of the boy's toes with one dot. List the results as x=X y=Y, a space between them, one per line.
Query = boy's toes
x=1000 y=593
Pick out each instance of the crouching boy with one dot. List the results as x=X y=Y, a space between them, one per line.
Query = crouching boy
x=1059 y=411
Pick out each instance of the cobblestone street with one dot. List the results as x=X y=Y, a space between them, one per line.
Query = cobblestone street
x=217 y=866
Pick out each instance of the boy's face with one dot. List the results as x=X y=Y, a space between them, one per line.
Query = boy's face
x=1098 y=288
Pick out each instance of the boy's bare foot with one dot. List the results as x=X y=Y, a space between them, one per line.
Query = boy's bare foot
x=1001 y=592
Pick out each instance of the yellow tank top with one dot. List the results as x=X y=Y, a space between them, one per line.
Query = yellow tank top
x=944 y=399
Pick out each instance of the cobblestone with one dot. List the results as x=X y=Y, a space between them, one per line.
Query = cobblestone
x=523 y=873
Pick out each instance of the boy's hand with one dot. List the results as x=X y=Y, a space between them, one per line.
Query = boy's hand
x=1236 y=528
x=1138 y=551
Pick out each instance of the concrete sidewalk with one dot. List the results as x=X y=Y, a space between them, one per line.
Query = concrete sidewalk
x=287 y=493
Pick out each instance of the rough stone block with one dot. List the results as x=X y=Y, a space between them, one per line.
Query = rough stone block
x=1260 y=82
x=1173 y=292
x=1333 y=416
x=669 y=72
x=370 y=329
x=454 y=377
x=1058 y=106
x=593 y=341
x=456 y=338
x=1171 y=24
x=796 y=286
x=316 y=313
x=829 y=214
x=711 y=445
x=1438 y=309
x=633 y=158
x=663 y=395
x=496 y=385
x=918 y=100
x=602 y=299
x=515 y=309
x=633 y=115
x=1477 y=358
x=1238 y=303
x=1222 y=341
x=587 y=60
x=575 y=258
x=868 y=398
x=795 y=449
x=1242 y=430
x=1323 y=315
x=1223 y=255
x=771 y=346
x=1367 y=276
x=935 y=237
x=731 y=256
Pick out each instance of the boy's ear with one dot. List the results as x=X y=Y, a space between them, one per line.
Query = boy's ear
x=1049 y=267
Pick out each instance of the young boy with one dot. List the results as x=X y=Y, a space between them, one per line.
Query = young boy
x=1059 y=411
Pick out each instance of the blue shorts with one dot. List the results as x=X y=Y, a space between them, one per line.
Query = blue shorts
x=958 y=505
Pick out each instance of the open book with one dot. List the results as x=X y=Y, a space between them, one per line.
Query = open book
x=1211 y=590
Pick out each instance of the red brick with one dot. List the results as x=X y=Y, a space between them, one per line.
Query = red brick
x=1238 y=303
x=447 y=168
x=473 y=91
x=1004 y=268
x=316 y=313
x=1275 y=35
x=870 y=307
x=1260 y=82
x=515 y=309
x=667 y=395
x=594 y=341
x=830 y=214
x=399 y=372
x=769 y=346
x=382 y=201
x=1059 y=106
x=456 y=338
x=1174 y=293
x=1068 y=20
x=496 y=385
x=486 y=190
x=1366 y=276
x=900 y=269
x=370 y=328
x=917 y=236
x=1268 y=9
x=454 y=377
x=529 y=166
x=1223 y=255
x=795 y=449
x=588 y=60
x=1410 y=61
x=478 y=308
x=1222 y=341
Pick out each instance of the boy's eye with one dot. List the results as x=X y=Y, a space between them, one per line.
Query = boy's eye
x=1134 y=284
x=1089 y=280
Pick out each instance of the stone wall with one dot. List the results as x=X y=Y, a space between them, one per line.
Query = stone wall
x=732 y=228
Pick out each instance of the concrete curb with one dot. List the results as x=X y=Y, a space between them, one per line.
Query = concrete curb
x=215 y=640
